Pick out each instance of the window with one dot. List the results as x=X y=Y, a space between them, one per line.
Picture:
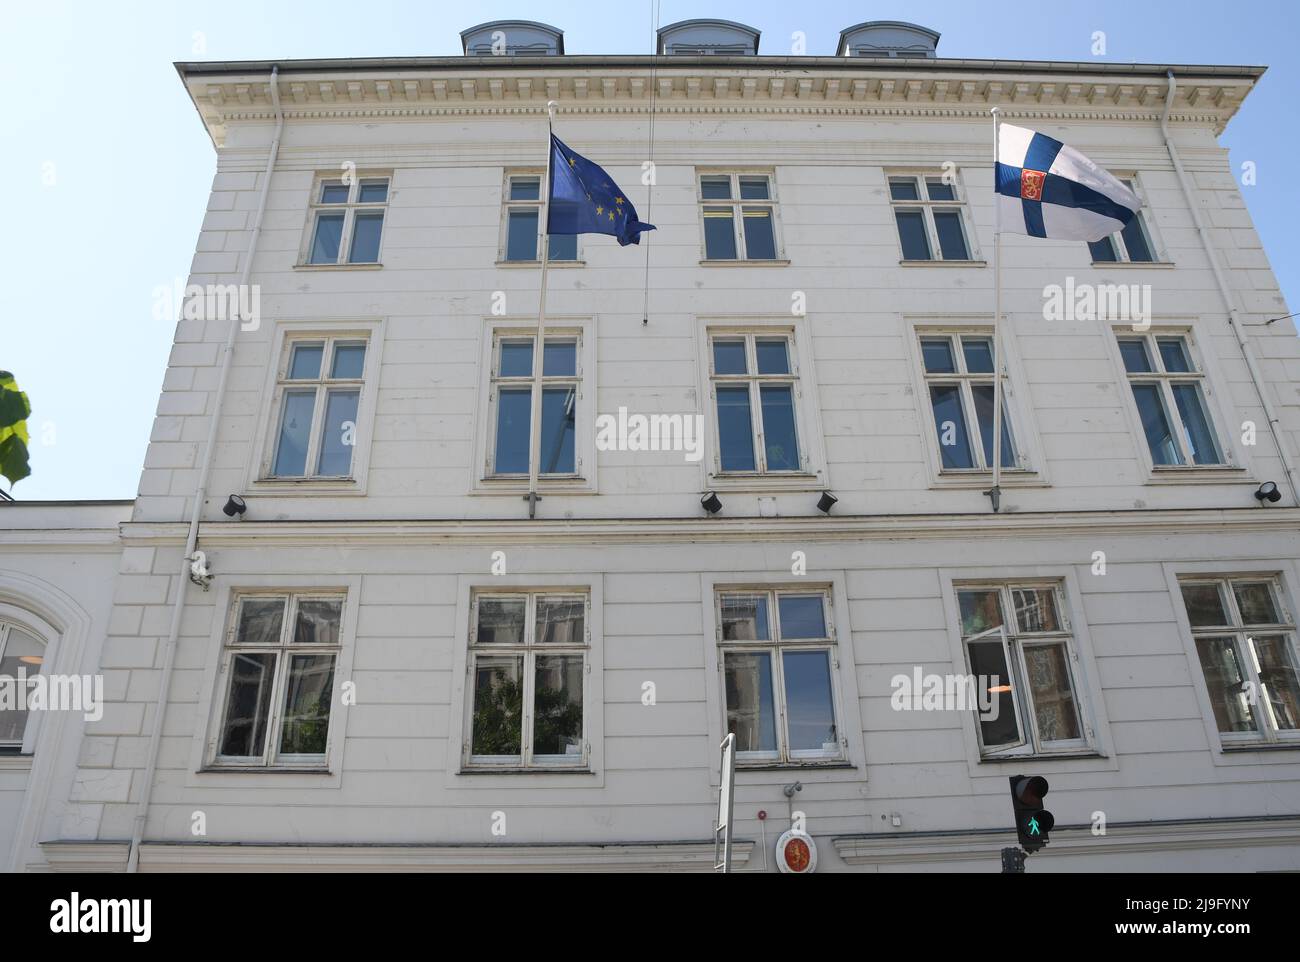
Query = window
x=523 y=212
x=928 y=212
x=959 y=379
x=1133 y=243
x=278 y=679
x=739 y=212
x=528 y=667
x=20 y=650
x=512 y=397
x=1019 y=648
x=347 y=221
x=1169 y=392
x=1246 y=643
x=777 y=652
x=318 y=394
x=755 y=386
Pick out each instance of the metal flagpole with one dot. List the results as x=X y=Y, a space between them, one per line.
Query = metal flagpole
x=995 y=492
x=539 y=341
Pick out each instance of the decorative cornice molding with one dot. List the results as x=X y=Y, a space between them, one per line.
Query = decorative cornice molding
x=848 y=90
x=246 y=534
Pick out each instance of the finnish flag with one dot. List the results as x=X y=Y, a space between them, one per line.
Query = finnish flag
x=1047 y=189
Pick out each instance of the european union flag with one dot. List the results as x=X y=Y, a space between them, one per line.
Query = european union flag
x=585 y=200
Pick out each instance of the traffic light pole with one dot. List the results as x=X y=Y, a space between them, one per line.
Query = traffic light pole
x=1013 y=861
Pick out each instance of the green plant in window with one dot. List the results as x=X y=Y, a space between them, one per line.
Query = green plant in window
x=497 y=717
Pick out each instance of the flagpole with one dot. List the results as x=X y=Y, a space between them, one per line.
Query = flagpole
x=539 y=341
x=995 y=493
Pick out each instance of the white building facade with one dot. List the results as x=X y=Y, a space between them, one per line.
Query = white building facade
x=386 y=663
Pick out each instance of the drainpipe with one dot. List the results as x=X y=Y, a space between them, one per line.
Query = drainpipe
x=1234 y=322
x=200 y=494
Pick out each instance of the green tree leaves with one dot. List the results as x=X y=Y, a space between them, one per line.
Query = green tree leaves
x=14 y=411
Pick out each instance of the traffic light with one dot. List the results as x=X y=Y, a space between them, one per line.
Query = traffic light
x=1033 y=822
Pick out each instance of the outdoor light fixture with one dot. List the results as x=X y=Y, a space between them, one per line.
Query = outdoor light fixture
x=826 y=502
x=1268 y=492
x=710 y=502
x=235 y=506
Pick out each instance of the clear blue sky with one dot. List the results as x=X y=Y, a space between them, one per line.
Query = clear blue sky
x=92 y=99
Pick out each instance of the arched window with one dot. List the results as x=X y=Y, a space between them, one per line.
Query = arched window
x=22 y=655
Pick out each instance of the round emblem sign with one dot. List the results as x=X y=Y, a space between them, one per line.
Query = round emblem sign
x=796 y=853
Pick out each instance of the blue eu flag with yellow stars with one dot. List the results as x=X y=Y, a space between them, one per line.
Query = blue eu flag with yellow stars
x=585 y=200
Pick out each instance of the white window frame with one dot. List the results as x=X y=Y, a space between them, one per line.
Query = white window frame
x=262 y=453
x=1031 y=468
x=583 y=481
x=966 y=382
x=271 y=758
x=1120 y=245
x=927 y=207
x=813 y=473
x=850 y=768
x=350 y=210
x=1014 y=641
x=775 y=647
x=1266 y=732
x=41 y=632
x=529 y=649
x=737 y=214
x=507 y=204
x=1217 y=406
x=754 y=382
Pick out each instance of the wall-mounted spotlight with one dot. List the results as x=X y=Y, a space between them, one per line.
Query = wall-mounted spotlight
x=235 y=506
x=1268 y=492
x=826 y=502
x=710 y=502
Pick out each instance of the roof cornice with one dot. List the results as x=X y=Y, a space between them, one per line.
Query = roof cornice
x=356 y=89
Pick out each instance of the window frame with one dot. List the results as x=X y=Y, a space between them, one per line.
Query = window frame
x=350 y=208
x=1031 y=745
x=499 y=382
x=528 y=649
x=271 y=758
x=927 y=208
x=508 y=204
x=25 y=747
x=584 y=480
x=814 y=472
x=1031 y=468
x=1117 y=241
x=755 y=382
x=737 y=205
x=1266 y=733
x=775 y=647
x=966 y=382
x=262 y=453
x=1202 y=374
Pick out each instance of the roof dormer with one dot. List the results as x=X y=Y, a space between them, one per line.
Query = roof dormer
x=515 y=38
x=719 y=37
x=887 y=38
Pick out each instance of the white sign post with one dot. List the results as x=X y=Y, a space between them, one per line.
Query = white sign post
x=722 y=831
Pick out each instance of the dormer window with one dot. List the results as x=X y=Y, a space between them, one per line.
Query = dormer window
x=722 y=38
x=887 y=38
x=513 y=38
